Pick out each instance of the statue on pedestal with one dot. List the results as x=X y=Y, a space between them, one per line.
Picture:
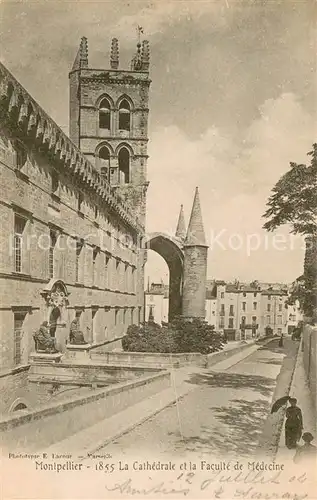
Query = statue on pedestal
x=44 y=342
x=76 y=337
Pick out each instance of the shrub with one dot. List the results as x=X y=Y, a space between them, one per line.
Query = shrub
x=180 y=336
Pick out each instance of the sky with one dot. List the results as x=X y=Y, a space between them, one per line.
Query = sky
x=232 y=103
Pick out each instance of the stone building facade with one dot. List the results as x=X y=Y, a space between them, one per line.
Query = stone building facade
x=245 y=310
x=240 y=310
x=156 y=303
x=71 y=244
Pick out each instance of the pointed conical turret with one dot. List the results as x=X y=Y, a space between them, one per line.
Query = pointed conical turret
x=195 y=233
x=114 y=55
x=195 y=265
x=181 y=226
x=81 y=60
x=145 y=55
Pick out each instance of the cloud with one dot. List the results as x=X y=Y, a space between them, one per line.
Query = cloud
x=156 y=16
x=235 y=178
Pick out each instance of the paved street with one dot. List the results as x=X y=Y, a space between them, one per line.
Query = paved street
x=222 y=416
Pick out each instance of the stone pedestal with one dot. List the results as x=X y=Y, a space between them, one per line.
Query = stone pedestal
x=78 y=353
x=44 y=357
x=61 y=335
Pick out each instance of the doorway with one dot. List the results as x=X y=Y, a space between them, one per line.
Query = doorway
x=53 y=320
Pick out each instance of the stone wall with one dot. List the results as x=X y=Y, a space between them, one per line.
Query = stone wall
x=162 y=360
x=59 y=421
x=85 y=374
x=309 y=347
x=159 y=360
x=16 y=390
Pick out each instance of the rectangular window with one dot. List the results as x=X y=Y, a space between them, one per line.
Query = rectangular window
x=222 y=309
x=20 y=155
x=118 y=274
x=139 y=316
x=244 y=305
x=268 y=320
x=116 y=312
x=107 y=259
x=230 y=325
x=279 y=320
x=254 y=319
x=279 y=331
x=19 y=226
x=18 y=333
x=231 y=311
x=126 y=277
x=222 y=295
x=255 y=306
x=280 y=306
x=124 y=315
x=255 y=294
x=54 y=182
x=133 y=279
x=243 y=320
x=53 y=239
x=269 y=307
x=221 y=322
x=79 y=246
x=269 y=297
x=94 y=258
x=80 y=202
x=93 y=324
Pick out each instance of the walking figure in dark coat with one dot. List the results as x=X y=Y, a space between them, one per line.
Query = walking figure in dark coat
x=293 y=424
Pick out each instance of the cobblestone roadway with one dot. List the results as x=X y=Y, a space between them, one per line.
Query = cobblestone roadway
x=223 y=416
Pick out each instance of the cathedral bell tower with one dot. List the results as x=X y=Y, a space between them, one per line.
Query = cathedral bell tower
x=108 y=119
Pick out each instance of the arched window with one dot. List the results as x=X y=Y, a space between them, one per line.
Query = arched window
x=104 y=114
x=124 y=115
x=104 y=162
x=124 y=166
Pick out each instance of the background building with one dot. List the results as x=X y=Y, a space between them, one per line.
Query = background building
x=240 y=310
x=211 y=303
x=294 y=316
x=156 y=303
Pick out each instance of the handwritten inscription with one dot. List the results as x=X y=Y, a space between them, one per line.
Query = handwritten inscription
x=221 y=479
x=250 y=486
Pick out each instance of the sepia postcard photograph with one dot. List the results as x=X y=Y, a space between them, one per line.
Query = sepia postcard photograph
x=158 y=249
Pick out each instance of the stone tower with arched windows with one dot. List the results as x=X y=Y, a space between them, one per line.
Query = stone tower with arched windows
x=109 y=120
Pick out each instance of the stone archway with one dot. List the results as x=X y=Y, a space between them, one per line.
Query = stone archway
x=19 y=404
x=171 y=250
x=56 y=295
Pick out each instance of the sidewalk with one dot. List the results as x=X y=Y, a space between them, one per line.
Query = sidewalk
x=93 y=438
x=299 y=390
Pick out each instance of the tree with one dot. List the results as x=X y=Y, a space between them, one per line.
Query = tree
x=294 y=201
x=179 y=336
